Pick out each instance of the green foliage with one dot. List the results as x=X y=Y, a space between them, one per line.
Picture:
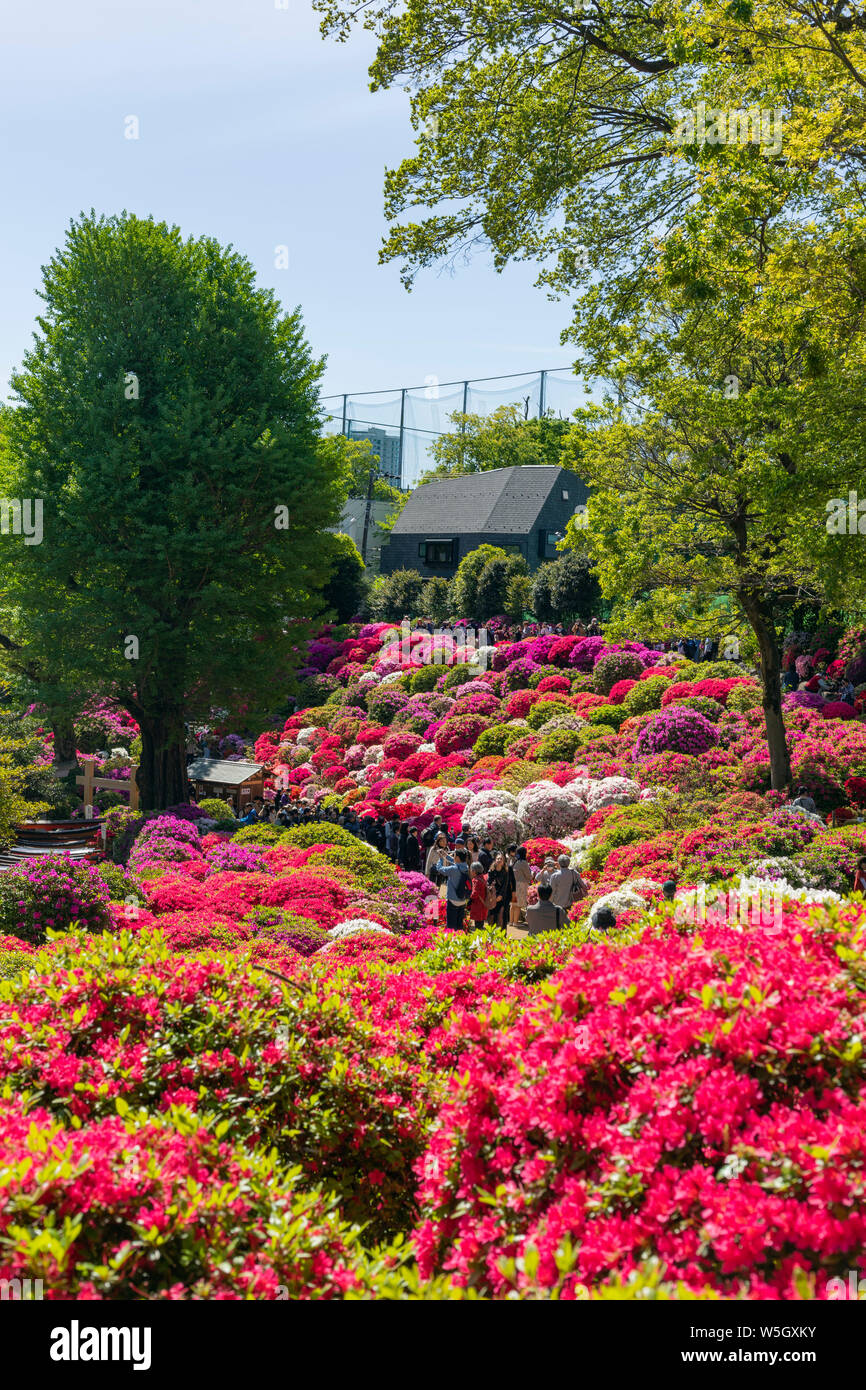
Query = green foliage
x=518 y=597
x=425 y=678
x=216 y=808
x=435 y=600
x=502 y=439
x=120 y=882
x=480 y=586
x=710 y=709
x=362 y=863
x=646 y=695
x=13 y=807
x=496 y=740
x=547 y=709
x=345 y=592
x=560 y=745
x=393 y=596
x=565 y=589
x=612 y=715
x=258 y=834
x=457 y=676
x=186 y=360
x=744 y=697
x=318 y=832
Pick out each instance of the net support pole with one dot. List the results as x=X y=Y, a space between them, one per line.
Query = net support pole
x=345 y=402
x=542 y=396
x=402 y=428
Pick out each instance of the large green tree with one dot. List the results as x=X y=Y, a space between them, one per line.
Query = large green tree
x=481 y=587
x=167 y=418
x=739 y=422
x=553 y=133
x=503 y=439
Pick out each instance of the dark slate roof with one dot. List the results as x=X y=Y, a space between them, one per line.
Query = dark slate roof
x=503 y=501
x=220 y=771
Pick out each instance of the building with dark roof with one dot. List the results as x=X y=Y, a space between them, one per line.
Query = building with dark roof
x=524 y=510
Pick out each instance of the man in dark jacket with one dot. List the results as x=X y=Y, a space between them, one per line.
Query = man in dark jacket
x=429 y=836
x=413 y=851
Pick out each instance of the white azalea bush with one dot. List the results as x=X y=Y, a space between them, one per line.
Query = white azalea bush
x=548 y=809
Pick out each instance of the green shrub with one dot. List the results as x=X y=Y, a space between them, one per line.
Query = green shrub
x=744 y=697
x=216 y=808
x=425 y=678
x=363 y=862
x=546 y=709
x=263 y=834
x=559 y=745
x=612 y=715
x=495 y=740
x=710 y=709
x=120 y=882
x=459 y=675
x=317 y=832
x=595 y=731
x=646 y=695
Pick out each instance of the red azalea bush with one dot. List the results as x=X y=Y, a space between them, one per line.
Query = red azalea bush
x=301 y=1073
x=704 y=1084
x=456 y=734
x=554 y=683
x=173 y=1213
x=540 y=849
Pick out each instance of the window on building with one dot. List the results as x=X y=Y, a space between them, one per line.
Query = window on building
x=565 y=494
x=437 y=552
x=547 y=544
x=514 y=548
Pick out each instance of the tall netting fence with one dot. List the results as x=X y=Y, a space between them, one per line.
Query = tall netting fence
x=402 y=424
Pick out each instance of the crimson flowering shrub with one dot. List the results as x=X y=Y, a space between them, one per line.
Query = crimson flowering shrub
x=456 y=734
x=542 y=848
x=704 y=1084
x=190 y=1215
x=718 y=690
x=300 y=1071
x=401 y=745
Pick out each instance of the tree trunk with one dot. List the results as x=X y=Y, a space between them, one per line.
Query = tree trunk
x=771 y=680
x=64 y=740
x=161 y=776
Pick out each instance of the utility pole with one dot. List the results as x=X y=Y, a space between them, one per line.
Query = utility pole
x=367 y=512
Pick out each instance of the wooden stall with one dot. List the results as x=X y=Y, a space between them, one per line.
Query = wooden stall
x=224 y=778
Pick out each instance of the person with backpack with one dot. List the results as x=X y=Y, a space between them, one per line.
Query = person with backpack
x=567 y=885
x=455 y=872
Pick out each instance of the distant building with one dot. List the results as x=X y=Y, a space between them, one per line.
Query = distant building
x=387 y=446
x=524 y=510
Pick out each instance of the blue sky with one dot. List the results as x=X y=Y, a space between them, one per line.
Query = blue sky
x=253 y=130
